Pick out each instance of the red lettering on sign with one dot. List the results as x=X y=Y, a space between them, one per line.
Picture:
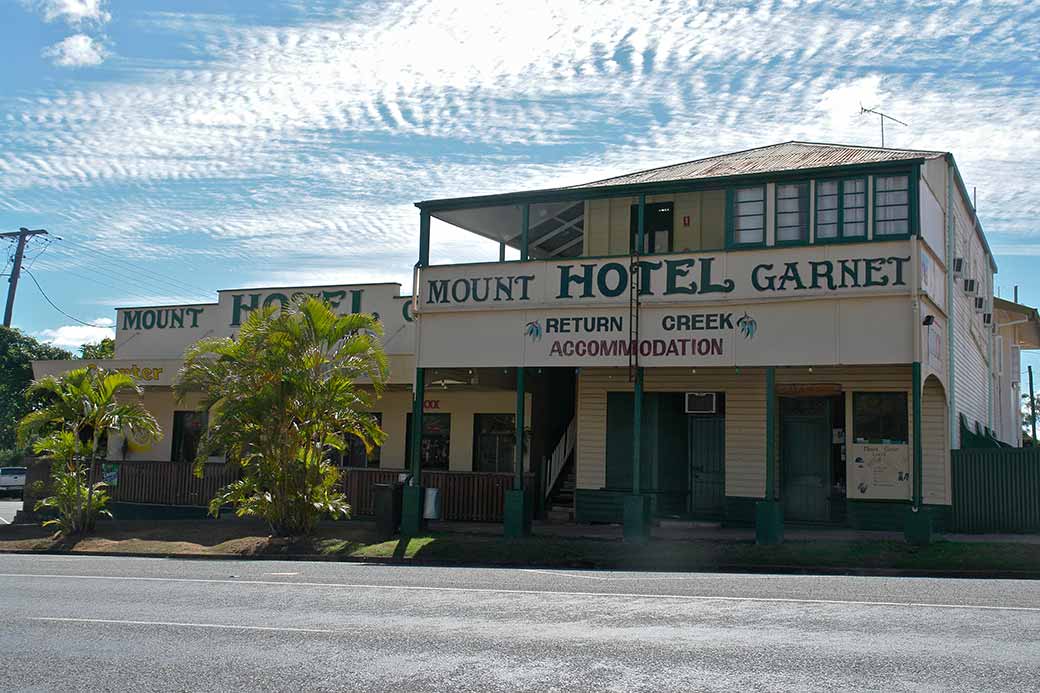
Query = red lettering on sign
x=686 y=221
x=431 y=404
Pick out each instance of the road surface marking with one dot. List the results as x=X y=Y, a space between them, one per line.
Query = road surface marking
x=175 y=624
x=537 y=593
x=281 y=574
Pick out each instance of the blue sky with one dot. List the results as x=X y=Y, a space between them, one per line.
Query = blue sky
x=181 y=147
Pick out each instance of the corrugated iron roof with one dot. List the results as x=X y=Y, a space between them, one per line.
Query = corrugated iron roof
x=786 y=156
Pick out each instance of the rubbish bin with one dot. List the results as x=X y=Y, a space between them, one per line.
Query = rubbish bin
x=388 y=508
x=432 y=504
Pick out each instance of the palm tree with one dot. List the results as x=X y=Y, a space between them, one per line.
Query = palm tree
x=293 y=385
x=87 y=404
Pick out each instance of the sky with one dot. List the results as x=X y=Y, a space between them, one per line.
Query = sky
x=176 y=148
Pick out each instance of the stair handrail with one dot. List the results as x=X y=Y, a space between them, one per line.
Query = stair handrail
x=560 y=454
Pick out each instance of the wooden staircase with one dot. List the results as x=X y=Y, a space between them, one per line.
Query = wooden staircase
x=561 y=501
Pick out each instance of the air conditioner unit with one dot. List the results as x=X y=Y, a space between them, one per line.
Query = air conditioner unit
x=987 y=318
x=700 y=403
x=958 y=266
x=980 y=304
x=970 y=286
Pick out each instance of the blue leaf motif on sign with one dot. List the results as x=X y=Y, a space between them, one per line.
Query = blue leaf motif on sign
x=747 y=326
x=533 y=330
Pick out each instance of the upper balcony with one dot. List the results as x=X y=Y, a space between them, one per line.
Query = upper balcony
x=791 y=194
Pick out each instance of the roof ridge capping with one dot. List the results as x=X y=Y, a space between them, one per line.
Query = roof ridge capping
x=791 y=155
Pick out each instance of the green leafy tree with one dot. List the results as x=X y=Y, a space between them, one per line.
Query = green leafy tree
x=84 y=406
x=280 y=396
x=69 y=484
x=105 y=349
x=17 y=350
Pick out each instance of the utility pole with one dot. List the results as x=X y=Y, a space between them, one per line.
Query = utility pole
x=23 y=234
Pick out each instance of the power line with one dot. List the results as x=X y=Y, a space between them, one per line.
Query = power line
x=48 y=299
x=152 y=274
x=142 y=279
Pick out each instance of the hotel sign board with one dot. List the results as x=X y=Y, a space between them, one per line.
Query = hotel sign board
x=736 y=276
x=728 y=309
x=166 y=331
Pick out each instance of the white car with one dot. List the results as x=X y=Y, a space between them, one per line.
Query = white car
x=12 y=479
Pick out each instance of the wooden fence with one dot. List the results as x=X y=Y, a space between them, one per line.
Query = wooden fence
x=164 y=483
x=466 y=496
x=996 y=490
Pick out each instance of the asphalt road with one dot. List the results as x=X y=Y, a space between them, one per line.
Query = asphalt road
x=83 y=623
x=8 y=507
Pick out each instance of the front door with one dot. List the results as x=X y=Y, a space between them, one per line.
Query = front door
x=805 y=457
x=707 y=453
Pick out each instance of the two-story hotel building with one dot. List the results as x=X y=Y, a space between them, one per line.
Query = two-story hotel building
x=793 y=333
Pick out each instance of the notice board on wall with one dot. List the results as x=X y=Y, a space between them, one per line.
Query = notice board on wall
x=879 y=471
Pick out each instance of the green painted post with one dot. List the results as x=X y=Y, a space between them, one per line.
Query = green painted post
x=918 y=528
x=641 y=226
x=518 y=508
x=637 y=432
x=525 y=222
x=769 y=513
x=770 y=433
x=501 y=252
x=412 y=499
x=518 y=471
x=424 y=238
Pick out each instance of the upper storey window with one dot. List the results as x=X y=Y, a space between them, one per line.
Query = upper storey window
x=841 y=209
x=891 y=205
x=792 y=213
x=749 y=216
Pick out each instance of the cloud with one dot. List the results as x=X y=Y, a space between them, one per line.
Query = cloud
x=301 y=146
x=73 y=12
x=75 y=336
x=78 y=50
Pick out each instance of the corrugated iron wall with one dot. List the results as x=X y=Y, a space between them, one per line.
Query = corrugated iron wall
x=996 y=490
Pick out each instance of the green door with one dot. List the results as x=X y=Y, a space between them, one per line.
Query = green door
x=707 y=454
x=672 y=457
x=619 y=442
x=805 y=448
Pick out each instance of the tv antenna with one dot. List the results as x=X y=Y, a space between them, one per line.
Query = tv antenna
x=863 y=109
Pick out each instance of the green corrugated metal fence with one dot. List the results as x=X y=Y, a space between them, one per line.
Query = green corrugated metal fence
x=996 y=490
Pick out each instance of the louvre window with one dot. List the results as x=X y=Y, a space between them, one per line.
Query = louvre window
x=892 y=205
x=841 y=209
x=749 y=215
x=792 y=213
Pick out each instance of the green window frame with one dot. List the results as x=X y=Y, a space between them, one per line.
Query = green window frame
x=746 y=217
x=792 y=213
x=841 y=210
x=893 y=205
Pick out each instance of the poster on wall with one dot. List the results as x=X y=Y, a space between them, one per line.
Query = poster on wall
x=879 y=472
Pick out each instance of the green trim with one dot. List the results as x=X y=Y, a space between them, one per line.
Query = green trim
x=912 y=177
x=731 y=218
x=579 y=258
x=518 y=465
x=918 y=454
x=641 y=225
x=841 y=237
x=804 y=199
x=637 y=430
x=417 y=424
x=424 y=238
x=770 y=491
x=657 y=188
x=525 y=223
